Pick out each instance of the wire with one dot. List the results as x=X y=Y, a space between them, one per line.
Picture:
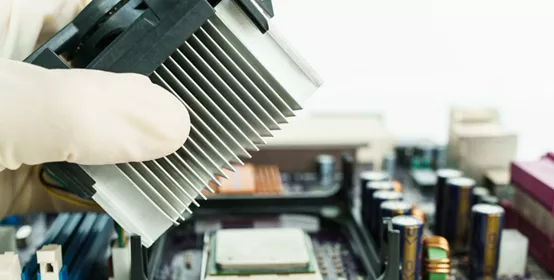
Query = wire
x=52 y=176
x=45 y=178
x=54 y=186
x=59 y=192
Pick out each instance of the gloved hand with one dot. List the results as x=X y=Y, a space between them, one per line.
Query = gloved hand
x=81 y=116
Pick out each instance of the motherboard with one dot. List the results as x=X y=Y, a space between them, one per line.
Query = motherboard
x=229 y=244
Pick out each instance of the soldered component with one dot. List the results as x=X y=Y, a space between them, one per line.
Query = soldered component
x=514 y=248
x=243 y=181
x=367 y=199
x=375 y=208
x=416 y=212
x=394 y=208
x=458 y=200
x=250 y=179
x=84 y=241
x=397 y=186
x=50 y=261
x=478 y=194
x=268 y=180
x=440 y=189
x=7 y=239
x=121 y=259
x=490 y=199
x=391 y=209
x=373 y=176
x=423 y=155
x=263 y=253
x=436 y=258
x=23 y=236
x=265 y=248
x=486 y=232
x=325 y=169
x=10 y=267
x=411 y=247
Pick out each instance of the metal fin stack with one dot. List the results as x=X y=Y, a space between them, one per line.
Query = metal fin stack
x=239 y=85
x=230 y=110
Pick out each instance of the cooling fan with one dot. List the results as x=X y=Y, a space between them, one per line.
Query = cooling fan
x=227 y=63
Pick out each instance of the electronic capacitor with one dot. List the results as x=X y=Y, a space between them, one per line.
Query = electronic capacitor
x=484 y=245
x=411 y=247
x=458 y=202
x=478 y=194
x=367 y=198
x=442 y=176
x=379 y=198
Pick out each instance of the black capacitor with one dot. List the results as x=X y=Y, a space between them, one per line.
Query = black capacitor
x=411 y=246
x=375 y=209
x=325 y=169
x=458 y=203
x=367 y=199
x=490 y=199
x=394 y=208
x=442 y=176
x=23 y=236
x=365 y=178
x=390 y=209
x=373 y=176
x=478 y=194
x=487 y=222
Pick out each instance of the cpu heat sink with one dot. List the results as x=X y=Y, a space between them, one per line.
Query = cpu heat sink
x=226 y=62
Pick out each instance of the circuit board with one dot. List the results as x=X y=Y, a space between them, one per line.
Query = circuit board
x=425 y=199
x=183 y=255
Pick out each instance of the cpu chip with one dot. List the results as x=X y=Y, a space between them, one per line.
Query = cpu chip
x=261 y=253
x=268 y=248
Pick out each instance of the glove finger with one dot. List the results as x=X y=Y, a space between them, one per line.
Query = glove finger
x=85 y=116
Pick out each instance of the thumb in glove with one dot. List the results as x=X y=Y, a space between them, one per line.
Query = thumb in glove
x=80 y=116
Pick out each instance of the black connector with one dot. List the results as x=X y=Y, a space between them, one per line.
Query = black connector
x=139 y=259
x=75 y=179
x=389 y=252
x=347 y=183
x=255 y=15
x=146 y=262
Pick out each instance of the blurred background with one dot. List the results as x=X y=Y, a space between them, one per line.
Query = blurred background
x=410 y=61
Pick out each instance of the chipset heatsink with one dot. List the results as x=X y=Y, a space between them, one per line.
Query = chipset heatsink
x=261 y=254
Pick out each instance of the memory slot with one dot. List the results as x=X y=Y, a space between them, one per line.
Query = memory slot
x=60 y=230
x=84 y=240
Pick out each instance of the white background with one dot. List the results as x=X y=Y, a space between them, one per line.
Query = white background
x=412 y=60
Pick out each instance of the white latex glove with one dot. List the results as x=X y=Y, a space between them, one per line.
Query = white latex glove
x=80 y=116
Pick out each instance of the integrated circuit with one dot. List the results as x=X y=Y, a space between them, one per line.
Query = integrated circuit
x=261 y=254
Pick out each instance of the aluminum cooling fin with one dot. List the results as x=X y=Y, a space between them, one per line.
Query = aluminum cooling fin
x=227 y=63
